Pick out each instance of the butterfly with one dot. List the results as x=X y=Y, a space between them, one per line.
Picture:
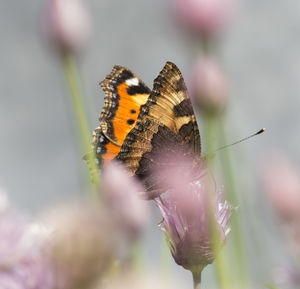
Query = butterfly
x=138 y=124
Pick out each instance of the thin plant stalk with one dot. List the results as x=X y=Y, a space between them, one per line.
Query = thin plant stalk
x=197 y=280
x=165 y=259
x=236 y=232
x=221 y=265
x=137 y=257
x=224 y=274
x=210 y=135
x=270 y=286
x=77 y=99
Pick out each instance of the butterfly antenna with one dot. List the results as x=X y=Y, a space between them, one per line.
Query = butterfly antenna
x=241 y=140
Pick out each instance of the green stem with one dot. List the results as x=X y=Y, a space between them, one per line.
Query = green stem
x=223 y=272
x=236 y=231
x=221 y=265
x=270 y=286
x=197 y=280
x=165 y=259
x=209 y=134
x=137 y=258
x=77 y=99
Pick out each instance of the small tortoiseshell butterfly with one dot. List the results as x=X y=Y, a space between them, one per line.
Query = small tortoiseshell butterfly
x=136 y=123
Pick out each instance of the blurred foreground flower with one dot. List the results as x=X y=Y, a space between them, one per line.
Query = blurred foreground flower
x=208 y=86
x=122 y=198
x=22 y=260
x=286 y=276
x=67 y=24
x=205 y=17
x=195 y=220
x=133 y=280
x=281 y=180
x=81 y=245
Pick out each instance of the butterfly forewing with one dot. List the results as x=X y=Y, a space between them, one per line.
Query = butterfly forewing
x=125 y=92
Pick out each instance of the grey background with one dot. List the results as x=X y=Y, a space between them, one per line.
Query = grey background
x=40 y=158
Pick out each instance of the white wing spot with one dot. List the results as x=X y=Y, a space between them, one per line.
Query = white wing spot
x=132 y=81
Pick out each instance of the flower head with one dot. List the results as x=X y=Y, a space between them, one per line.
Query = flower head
x=22 y=260
x=122 y=198
x=286 y=276
x=204 y=16
x=67 y=24
x=81 y=244
x=195 y=220
x=281 y=180
x=208 y=85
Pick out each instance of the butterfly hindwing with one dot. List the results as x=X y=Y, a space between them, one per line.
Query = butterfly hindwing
x=124 y=94
x=147 y=147
x=166 y=120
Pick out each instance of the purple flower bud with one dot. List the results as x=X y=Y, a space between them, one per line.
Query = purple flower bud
x=122 y=197
x=208 y=86
x=67 y=24
x=80 y=245
x=22 y=261
x=286 y=276
x=281 y=180
x=195 y=220
x=205 y=16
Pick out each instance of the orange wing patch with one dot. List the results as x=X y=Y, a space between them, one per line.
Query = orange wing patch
x=124 y=95
x=111 y=151
x=127 y=113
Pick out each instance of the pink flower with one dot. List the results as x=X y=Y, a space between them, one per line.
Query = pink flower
x=81 y=245
x=122 y=196
x=67 y=24
x=208 y=86
x=22 y=261
x=286 y=276
x=192 y=211
x=281 y=180
x=204 y=16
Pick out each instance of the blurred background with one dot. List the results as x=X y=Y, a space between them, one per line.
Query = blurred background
x=258 y=50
